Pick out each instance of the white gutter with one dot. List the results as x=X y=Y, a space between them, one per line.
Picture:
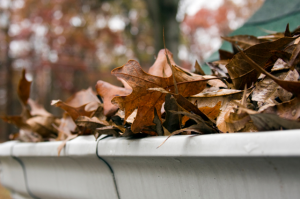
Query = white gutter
x=240 y=165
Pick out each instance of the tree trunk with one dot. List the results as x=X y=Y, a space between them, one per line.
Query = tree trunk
x=9 y=85
x=163 y=16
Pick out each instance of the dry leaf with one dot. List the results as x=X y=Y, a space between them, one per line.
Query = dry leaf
x=82 y=97
x=244 y=41
x=271 y=122
x=160 y=67
x=24 y=88
x=291 y=86
x=241 y=72
x=198 y=69
x=74 y=112
x=266 y=91
x=211 y=112
x=108 y=91
x=288 y=110
x=145 y=101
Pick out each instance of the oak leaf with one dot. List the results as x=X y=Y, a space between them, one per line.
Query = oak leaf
x=108 y=91
x=146 y=101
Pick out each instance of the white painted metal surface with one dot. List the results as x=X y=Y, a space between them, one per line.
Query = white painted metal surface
x=11 y=171
x=242 y=165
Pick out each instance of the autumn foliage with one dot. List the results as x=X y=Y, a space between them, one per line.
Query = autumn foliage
x=254 y=89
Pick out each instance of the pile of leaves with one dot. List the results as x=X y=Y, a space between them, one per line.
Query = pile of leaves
x=256 y=88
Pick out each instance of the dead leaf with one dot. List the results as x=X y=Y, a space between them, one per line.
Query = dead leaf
x=194 y=128
x=211 y=112
x=172 y=122
x=244 y=41
x=288 y=110
x=279 y=65
x=82 y=97
x=295 y=58
x=37 y=109
x=108 y=91
x=271 y=122
x=160 y=67
x=266 y=91
x=218 y=68
x=225 y=55
x=44 y=126
x=198 y=69
x=241 y=72
x=145 y=101
x=90 y=123
x=291 y=86
x=218 y=93
x=63 y=144
x=24 y=88
x=158 y=125
x=66 y=127
x=74 y=112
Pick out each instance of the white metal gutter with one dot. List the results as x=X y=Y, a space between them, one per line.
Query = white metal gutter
x=241 y=165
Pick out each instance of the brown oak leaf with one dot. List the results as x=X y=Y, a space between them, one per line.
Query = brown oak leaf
x=146 y=101
x=108 y=91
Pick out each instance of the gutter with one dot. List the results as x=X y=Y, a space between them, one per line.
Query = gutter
x=239 y=165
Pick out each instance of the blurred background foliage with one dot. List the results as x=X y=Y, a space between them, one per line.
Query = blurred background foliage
x=67 y=45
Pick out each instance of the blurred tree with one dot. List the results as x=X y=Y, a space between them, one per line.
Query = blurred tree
x=163 y=16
